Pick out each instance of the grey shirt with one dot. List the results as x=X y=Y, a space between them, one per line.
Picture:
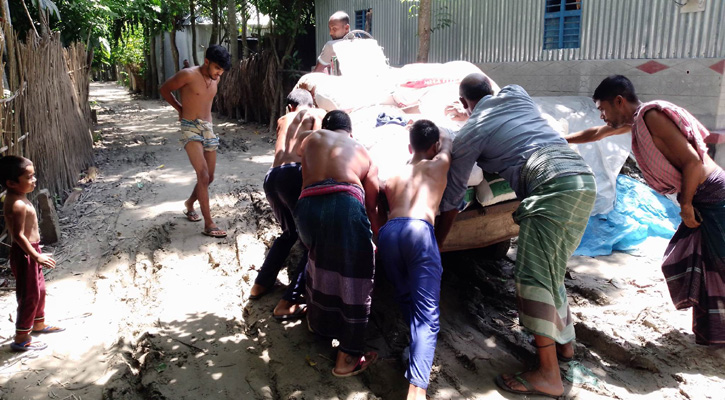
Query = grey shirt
x=502 y=133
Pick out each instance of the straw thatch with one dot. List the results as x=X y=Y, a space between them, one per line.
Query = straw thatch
x=49 y=119
x=254 y=89
x=247 y=90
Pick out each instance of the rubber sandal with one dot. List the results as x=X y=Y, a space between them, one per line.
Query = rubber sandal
x=299 y=313
x=362 y=364
x=50 y=329
x=192 y=216
x=501 y=383
x=28 y=345
x=214 y=232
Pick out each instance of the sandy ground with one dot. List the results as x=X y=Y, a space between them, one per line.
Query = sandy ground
x=155 y=310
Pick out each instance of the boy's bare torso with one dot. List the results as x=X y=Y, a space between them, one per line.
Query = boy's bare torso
x=416 y=191
x=30 y=225
x=197 y=94
x=333 y=155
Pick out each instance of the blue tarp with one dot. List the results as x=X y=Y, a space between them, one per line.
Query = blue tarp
x=639 y=212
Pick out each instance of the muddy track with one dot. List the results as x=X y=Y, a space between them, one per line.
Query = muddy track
x=157 y=311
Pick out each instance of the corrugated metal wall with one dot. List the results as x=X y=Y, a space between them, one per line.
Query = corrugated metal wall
x=486 y=31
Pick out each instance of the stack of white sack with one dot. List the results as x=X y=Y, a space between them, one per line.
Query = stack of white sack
x=430 y=87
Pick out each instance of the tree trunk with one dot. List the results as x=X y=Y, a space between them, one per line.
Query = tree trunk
x=245 y=18
x=153 y=66
x=214 y=39
x=424 y=26
x=162 y=51
x=174 y=48
x=194 y=49
x=233 y=30
x=43 y=18
x=8 y=32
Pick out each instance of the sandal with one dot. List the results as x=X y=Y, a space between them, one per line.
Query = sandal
x=50 y=329
x=28 y=345
x=192 y=216
x=214 y=232
x=362 y=364
x=530 y=390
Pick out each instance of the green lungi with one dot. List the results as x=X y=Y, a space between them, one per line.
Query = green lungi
x=552 y=220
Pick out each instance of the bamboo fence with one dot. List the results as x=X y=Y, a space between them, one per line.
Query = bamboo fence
x=254 y=89
x=48 y=119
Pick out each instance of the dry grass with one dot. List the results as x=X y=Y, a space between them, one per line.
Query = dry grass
x=251 y=90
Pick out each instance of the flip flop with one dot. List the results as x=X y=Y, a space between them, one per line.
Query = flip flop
x=28 y=345
x=214 y=232
x=192 y=216
x=50 y=329
x=362 y=364
x=299 y=313
x=501 y=383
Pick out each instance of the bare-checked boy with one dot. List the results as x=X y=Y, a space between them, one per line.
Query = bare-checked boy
x=17 y=175
x=407 y=247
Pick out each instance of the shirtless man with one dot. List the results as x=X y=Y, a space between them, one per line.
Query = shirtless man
x=197 y=87
x=339 y=25
x=282 y=186
x=407 y=245
x=340 y=184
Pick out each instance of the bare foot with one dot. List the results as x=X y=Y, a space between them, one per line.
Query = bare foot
x=347 y=365
x=285 y=307
x=42 y=327
x=257 y=291
x=546 y=383
x=189 y=206
x=416 y=393
x=565 y=350
x=22 y=337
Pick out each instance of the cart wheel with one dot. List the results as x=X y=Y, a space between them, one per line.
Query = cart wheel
x=357 y=34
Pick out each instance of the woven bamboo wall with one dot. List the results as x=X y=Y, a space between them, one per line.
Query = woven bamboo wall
x=48 y=120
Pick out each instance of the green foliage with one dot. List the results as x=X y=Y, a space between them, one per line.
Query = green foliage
x=47 y=6
x=130 y=49
x=287 y=15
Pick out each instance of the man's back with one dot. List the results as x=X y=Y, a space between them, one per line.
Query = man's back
x=289 y=126
x=333 y=155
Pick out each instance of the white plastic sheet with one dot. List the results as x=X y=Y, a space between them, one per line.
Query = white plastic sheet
x=568 y=114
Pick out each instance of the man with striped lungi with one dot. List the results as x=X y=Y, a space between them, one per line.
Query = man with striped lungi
x=506 y=134
x=669 y=145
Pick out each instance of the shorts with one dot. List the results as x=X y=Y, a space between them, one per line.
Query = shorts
x=201 y=131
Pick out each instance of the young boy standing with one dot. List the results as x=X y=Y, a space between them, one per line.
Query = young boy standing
x=407 y=245
x=17 y=175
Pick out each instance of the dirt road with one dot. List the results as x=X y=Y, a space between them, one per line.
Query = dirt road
x=155 y=310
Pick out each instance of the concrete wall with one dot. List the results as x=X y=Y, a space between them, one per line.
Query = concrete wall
x=696 y=84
